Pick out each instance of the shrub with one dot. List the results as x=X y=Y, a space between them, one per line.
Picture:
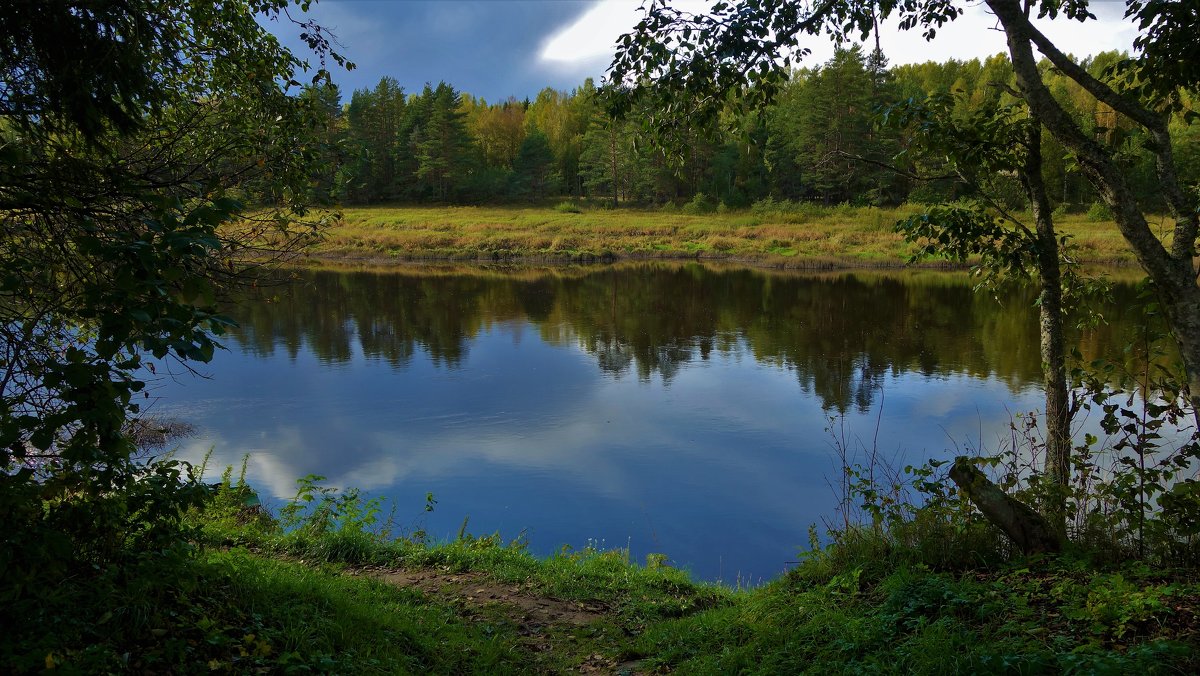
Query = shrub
x=567 y=207
x=1099 y=211
x=700 y=204
x=765 y=206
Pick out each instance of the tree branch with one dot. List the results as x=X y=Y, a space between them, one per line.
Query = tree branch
x=1093 y=158
x=1187 y=221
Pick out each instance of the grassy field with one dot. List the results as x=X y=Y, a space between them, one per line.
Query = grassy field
x=800 y=236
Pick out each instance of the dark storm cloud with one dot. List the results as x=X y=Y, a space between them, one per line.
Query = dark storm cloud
x=487 y=48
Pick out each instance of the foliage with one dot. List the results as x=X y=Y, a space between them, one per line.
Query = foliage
x=121 y=163
x=817 y=141
x=1099 y=212
x=1133 y=497
x=841 y=609
x=1139 y=492
x=699 y=205
x=912 y=620
x=533 y=174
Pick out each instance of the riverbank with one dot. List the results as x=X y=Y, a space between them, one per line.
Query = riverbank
x=482 y=607
x=802 y=236
x=340 y=592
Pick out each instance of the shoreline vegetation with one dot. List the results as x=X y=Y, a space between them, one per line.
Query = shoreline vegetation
x=781 y=235
x=327 y=586
x=481 y=604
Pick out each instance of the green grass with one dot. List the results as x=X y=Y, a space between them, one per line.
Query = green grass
x=864 y=607
x=332 y=596
x=917 y=621
x=812 y=236
x=232 y=611
x=315 y=616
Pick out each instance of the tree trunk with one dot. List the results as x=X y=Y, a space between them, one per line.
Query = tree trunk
x=612 y=150
x=1184 y=316
x=1028 y=530
x=1173 y=271
x=1057 y=467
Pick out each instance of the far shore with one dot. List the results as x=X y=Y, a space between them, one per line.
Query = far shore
x=807 y=238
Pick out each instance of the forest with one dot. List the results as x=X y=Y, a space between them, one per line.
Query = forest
x=821 y=141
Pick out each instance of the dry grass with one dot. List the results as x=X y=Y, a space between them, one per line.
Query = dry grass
x=816 y=237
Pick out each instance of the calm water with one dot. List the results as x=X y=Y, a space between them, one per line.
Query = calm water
x=672 y=408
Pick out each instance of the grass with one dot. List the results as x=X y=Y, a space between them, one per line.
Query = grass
x=331 y=595
x=826 y=616
x=807 y=236
x=317 y=616
x=914 y=620
x=845 y=610
x=235 y=612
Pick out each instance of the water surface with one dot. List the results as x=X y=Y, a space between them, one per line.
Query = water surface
x=671 y=408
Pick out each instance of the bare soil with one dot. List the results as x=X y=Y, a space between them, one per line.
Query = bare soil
x=549 y=627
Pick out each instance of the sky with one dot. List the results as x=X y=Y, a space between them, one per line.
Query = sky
x=500 y=48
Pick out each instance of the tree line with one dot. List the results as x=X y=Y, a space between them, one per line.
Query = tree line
x=820 y=140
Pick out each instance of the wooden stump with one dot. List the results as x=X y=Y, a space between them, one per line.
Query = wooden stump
x=1031 y=533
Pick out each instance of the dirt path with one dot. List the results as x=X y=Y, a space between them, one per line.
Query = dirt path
x=557 y=632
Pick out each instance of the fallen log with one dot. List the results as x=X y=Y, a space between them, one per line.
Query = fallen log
x=1028 y=530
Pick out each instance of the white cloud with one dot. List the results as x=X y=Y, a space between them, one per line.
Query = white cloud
x=593 y=34
x=592 y=37
x=976 y=35
x=589 y=42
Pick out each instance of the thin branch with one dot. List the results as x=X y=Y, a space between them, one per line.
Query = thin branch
x=897 y=170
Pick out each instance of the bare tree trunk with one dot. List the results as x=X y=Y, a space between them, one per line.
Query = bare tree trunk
x=1054 y=365
x=612 y=151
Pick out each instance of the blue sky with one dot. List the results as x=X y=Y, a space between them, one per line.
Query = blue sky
x=501 y=48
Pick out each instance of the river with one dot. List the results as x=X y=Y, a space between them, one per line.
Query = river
x=669 y=408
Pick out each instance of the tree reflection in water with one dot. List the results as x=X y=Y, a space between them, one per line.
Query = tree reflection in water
x=841 y=334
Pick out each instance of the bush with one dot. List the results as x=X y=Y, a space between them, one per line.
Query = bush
x=931 y=192
x=700 y=204
x=568 y=207
x=765 y=207
x=92 y=574
x=1099 y=211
